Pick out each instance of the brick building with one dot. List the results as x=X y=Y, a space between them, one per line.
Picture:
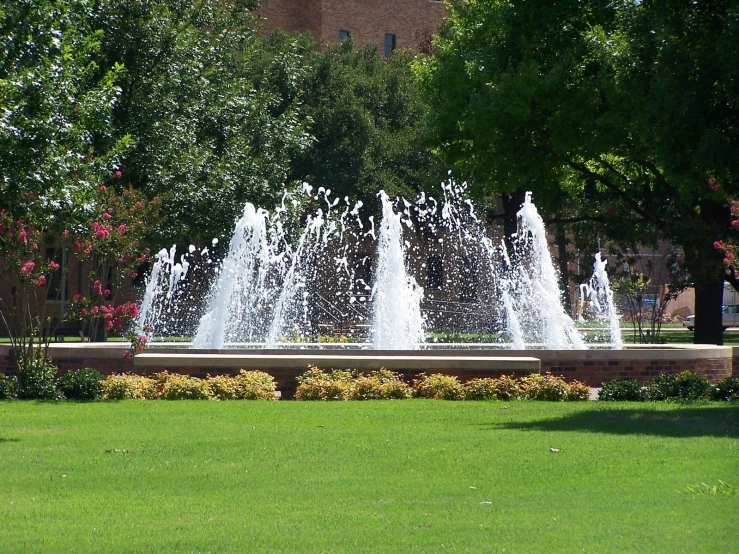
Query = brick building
x=390 y=23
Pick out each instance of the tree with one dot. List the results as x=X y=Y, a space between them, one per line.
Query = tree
x=197 y=100
x=632 y=105
x=55 y=105
x=367 y=121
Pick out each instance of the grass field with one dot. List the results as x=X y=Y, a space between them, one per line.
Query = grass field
x=382 y=476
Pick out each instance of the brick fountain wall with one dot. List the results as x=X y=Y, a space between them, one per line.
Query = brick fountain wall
x=592 y=367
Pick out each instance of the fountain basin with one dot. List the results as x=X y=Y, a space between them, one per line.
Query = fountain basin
x=466 y=361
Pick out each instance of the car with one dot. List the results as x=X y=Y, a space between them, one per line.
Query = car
x=729 y=317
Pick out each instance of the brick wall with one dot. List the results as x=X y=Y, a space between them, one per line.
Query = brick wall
x=366 y=21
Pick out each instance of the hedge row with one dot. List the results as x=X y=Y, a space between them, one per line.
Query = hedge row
x=670 y=386
x=316 y=384
x=89 y=384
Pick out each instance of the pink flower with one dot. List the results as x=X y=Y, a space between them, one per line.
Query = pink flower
x=27 y=268
x=127 y=354
x=40 y=282
x=134 y=275
x=118 y=174
x=718 y=245
x=94 y=310
x=23 y=236
x=97 y=288
x=714 y=185
x=34 y=246
x=106 y=293
x=102 y=234
x=106 y=216
x=77 y=297
x=103 y=188
x=83 y=311
x=65 y=234
x=121 y=229
x=735 y=224
x=138 y=203
x=53 y=266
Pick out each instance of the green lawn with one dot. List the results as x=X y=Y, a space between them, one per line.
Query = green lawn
x=403 y=476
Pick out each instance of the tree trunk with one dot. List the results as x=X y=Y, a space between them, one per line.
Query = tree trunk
x=708 y=303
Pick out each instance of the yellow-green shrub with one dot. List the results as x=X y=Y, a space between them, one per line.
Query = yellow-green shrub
x=438 y=386
x=254 y=385
x=126 y=386
x=379 y=385
x=502 y=388
x=171 y=386
x=316 y=384
x=544 y=387
x=222 y=387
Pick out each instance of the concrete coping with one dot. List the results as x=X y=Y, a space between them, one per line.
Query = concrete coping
x=338 y=361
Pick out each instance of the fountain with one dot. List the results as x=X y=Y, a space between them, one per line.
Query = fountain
x=598 y=292
x=333 y=289
x=275 y=291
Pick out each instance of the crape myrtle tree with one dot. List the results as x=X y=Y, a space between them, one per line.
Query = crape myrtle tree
x=57 y=149
x=55 y=104
x=197 y=99
x=631 y=107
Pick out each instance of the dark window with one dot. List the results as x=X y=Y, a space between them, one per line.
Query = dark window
x=343 y=34
x=468 y=292
x=389 y=44
x=434 y=273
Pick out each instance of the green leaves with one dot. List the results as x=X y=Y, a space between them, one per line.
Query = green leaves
x=55 y=104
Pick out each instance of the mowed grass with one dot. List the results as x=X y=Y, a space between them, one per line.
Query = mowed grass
x=380 y=476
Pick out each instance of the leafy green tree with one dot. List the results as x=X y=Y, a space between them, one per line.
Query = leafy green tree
x=196 y=99
x=630 y=106
x=367 y=121
x=55 y=106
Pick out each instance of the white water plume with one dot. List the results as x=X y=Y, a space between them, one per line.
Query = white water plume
x=397 y=320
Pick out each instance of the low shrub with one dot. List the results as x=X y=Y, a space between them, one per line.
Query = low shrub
x=620 y=389
x=438 y=386
x=577 y=391
x=8 y=386
x=379 y=385
x=544 y=387
x=685 y=385
x=36 y=379
x=502 y=388
x=254 y=385
x=83 y=384
x=726 y=389
x=172 y=386
x=223 y=387
x=127 y=386
x=315 y=384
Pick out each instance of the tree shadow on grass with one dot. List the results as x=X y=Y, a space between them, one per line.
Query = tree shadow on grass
x=706 y=421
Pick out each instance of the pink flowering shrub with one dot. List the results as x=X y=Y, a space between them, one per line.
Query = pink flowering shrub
x=112 y=244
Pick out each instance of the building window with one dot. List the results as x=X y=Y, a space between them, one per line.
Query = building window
x=434 y=273
x=389 y=44
x=344 y=34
